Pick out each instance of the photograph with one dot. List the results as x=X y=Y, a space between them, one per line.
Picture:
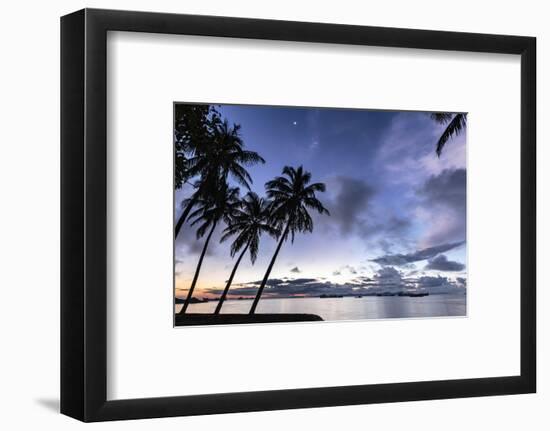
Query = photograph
x=304 y=214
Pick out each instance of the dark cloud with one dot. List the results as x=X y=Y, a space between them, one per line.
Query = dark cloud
x=345 y=269
x=362 y=280
x=449 y=188
x=443 y=197
x=350 y=203
x=353 y=214
x=386 y=279
x=438 y=284
x=441 y=263
x=289 y=287
x=389 y=279
x=424 y=254
x=295 y=270
x=396 y=225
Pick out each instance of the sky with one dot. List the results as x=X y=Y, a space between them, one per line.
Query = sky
x=397 y=211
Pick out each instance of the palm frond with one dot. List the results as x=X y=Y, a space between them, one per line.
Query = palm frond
x=249 y=158
x=455 y=127
x=441 y=117
x=316 y=187
x=239 y=242
x=316 y=205
x=241 y=175
x=254 y=247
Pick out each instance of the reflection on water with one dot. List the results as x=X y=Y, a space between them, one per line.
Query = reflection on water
x=367 y=307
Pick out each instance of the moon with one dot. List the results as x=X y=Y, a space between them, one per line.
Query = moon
x=295 y=123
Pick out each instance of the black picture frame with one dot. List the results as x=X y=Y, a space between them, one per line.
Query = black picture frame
x=84 y=214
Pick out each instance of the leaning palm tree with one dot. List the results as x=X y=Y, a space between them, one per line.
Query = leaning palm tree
x=220 y=205
x=456 y=123
x=214 y=161
x=248 y=223
x=291 y=196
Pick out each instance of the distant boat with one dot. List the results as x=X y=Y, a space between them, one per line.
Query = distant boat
x=330 y=296
x=414 y=294
x=418 y=294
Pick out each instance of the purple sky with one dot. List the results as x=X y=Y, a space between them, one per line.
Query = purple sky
x=398 y=212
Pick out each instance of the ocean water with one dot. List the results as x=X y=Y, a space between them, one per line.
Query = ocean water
x=348 y=308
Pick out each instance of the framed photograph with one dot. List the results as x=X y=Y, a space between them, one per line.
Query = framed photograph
x=262 y=215
x=364 y=209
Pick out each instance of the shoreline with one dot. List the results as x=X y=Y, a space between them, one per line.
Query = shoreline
x=191 y=319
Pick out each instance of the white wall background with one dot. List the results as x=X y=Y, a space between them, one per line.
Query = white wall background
x=29 y=228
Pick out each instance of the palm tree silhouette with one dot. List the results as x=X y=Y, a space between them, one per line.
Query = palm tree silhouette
x=193 y=128
x=456 y=123
x=213 y=161
x=248 y=223
x=218 y=206
x=291 y=197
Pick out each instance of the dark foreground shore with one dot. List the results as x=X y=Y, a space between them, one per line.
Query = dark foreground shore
x=229 y=319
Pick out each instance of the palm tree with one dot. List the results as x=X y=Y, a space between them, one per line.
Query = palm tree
x=248 y=223
x=219 y=206
x=456 y=123
x=193 y=128
x=214 y=161
x=291 y=197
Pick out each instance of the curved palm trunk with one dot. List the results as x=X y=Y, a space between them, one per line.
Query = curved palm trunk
x=184 y=215
x=269 y=268
x=197 y=271
x=228 y=285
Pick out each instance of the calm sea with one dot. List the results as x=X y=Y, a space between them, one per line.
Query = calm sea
x=349 y=308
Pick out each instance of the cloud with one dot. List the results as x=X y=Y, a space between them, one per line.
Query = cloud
x=424 y=254
x=295 y=270
x=289 y=287
x=449 y=188
x=354 y=212
x=188 y=244
x=441 y=263
x=350 y=203
x=439 y=284
x=396 y=225
x=345 y=269
x=407 y=155
x=386 y=279
x=461 y=281
x=390 y=279
x=443 y=206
